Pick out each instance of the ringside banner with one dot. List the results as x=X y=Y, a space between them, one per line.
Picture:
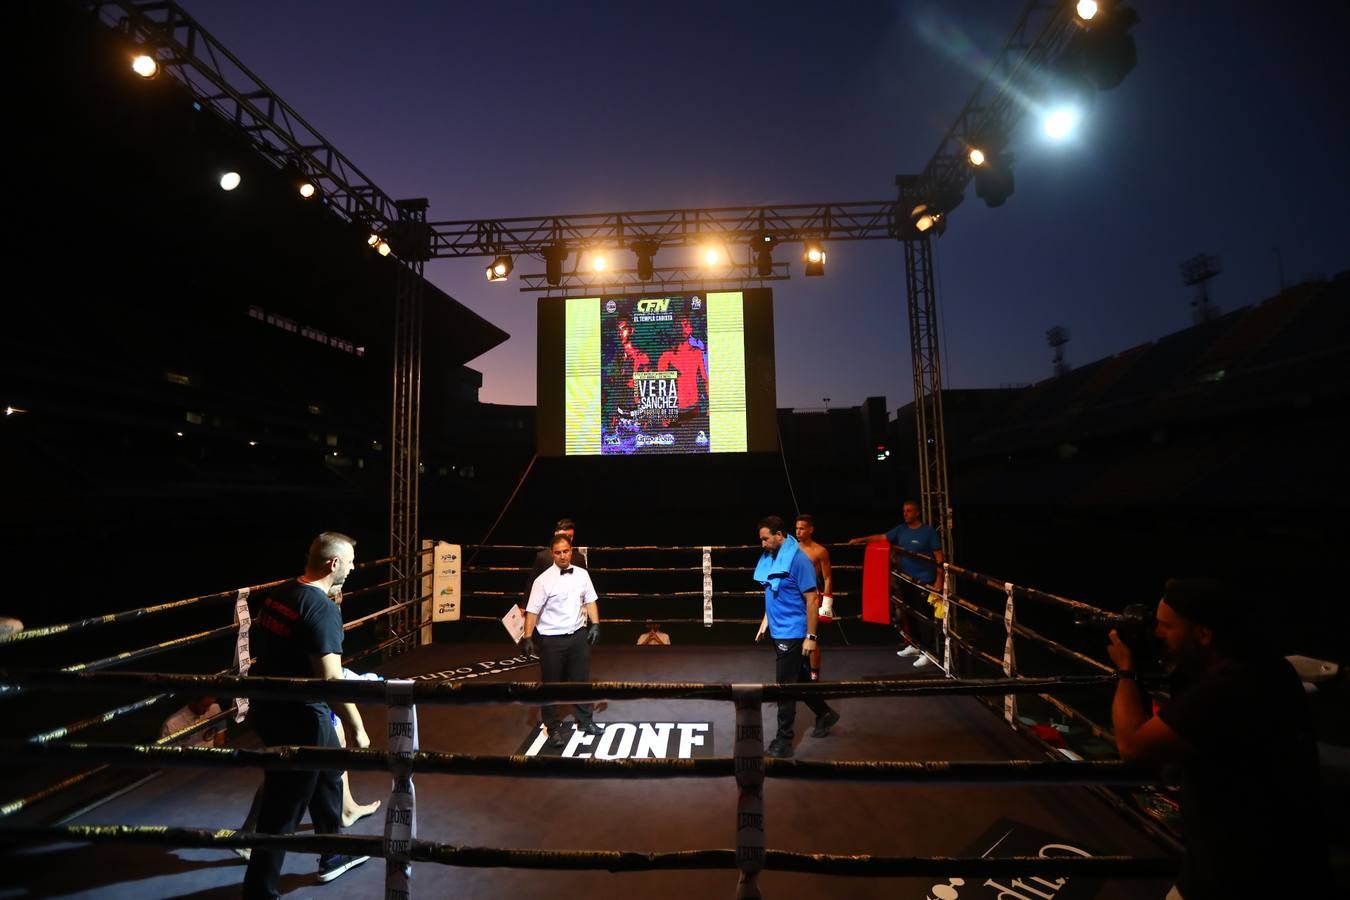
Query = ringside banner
x=445 y=582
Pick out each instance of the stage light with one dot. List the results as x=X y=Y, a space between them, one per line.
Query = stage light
x=930 y=208
x=763 y=261
x=994 y=181
x=295 y=175
x=599 y=261
x=500 y=268
x=763 y=246
x=976 y=156
x=924 y=218
x=1086 y=9
x=373 y=240
x=646 y=256
x=1061 y=122
x=1102 y=51
x=230 y=180
x=145 y=66
x=713 y=256
x=383 y=248
x=553 y=263
x=814 y=258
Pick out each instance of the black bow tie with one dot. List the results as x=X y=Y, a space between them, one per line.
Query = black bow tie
x=566 y=571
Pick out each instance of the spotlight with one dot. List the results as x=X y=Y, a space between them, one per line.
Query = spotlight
x=500 y=268
x=295 y=175
x=764 y=255
x=1103 y=51
x=713 y=256
x=553 y=263
x=599 y=261
x=976 y=156
x=145 y=66
x=814 y=258
x=646 y=253
x=373 y=240
x=1086 y=9
x=994 y=181
x=1061 y=121
x=230 y=180
x=383 y=248
x=924 y=217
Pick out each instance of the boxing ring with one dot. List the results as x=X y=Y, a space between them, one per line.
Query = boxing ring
x=919 y=791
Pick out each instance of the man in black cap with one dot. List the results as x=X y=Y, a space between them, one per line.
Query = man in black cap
x=1238 y=724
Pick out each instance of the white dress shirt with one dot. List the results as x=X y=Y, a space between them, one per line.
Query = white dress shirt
x=557 y=597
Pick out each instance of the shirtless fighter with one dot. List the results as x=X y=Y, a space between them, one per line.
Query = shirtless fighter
x=820 y=558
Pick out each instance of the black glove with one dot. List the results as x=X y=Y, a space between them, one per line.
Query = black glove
x=527 y=646
x=593 y=637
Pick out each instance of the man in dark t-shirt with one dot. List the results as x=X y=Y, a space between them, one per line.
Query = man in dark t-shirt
x=297 y=633
x=1238 y=724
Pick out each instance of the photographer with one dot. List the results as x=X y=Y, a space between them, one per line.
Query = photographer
x=1238 y=724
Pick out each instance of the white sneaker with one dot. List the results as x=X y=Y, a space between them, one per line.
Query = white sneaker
x=909 y=651
x=921 y=662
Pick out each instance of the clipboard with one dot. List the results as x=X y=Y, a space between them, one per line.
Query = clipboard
x=514 y=623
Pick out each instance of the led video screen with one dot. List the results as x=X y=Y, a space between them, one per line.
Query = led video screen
x=641 y=374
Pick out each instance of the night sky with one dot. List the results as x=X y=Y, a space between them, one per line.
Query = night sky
x=1230 y=138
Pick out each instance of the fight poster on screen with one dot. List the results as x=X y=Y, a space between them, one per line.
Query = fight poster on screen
x=654 y=382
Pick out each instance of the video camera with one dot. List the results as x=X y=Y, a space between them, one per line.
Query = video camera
x=1135 y=624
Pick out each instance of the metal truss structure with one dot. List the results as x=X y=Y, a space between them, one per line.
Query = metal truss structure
x=223 y=83
x=666 y=278
x=220 y=82
x=733 y=225
x=406 y=444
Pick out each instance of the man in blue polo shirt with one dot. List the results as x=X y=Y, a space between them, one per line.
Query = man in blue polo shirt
x=791 y=606
x=914 y=535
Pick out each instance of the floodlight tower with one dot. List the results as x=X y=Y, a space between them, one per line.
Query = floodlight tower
x=1196 y=272
x=1057 y=337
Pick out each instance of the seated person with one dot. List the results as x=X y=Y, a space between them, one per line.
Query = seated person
x=653 y=635
x=197 y=708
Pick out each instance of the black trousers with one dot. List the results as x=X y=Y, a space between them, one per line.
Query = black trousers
x=565 y=657
x=790 y=667
x=286 y=795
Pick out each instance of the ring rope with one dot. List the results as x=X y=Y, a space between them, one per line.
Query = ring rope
x=128 y=615
x=449 y=692
x=860 y=865
x=299 y=758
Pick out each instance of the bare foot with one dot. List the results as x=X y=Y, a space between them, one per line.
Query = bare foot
x=358 y=811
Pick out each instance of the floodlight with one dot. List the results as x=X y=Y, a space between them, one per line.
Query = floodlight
x=145 y=66
x=814 y=257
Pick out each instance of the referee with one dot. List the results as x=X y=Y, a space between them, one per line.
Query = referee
x=555 y=610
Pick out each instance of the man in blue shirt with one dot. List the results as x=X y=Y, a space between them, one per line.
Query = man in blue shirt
x=916 y=537
x=791 y=606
